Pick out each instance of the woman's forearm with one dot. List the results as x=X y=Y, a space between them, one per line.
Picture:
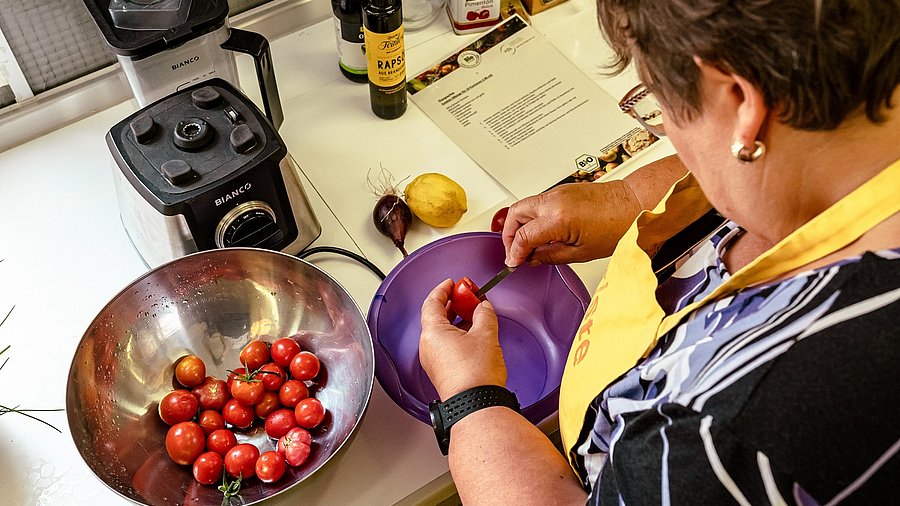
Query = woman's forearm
x=498 y=457
x=650 y=183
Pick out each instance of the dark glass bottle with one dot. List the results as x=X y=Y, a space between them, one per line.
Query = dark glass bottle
x=383 y=27
x=350 y=41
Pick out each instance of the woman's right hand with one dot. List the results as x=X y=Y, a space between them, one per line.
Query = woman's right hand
x=575 y=222
x=579 y=222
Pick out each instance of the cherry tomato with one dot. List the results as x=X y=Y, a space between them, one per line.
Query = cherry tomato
x=268 y=403
x=185 y=442
x=272 y=376
x=237 y=414
x=212 y=393
x=309 y=413
x=270 y=467
x=240 y=461
x=463 y=300
x=283 y=350
x=240 y=371
x=208 y=468
x=299 y=434
x=255 y=354
x=210 y=421
x=304 y=366
x=499 y=219
x=247 y=391
x=178 y=406
x=279 y=422
x=221 y=441
x=292 y=392
x=295 y=446
x=190 y=371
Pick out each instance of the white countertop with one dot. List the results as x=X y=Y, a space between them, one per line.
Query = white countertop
x=65 y=255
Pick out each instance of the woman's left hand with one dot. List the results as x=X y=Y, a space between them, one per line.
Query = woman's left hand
x=457 y=359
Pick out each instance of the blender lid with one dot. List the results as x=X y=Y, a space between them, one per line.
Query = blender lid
x=139 y=28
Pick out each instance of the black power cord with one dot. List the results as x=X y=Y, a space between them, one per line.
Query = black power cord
x=341 y=251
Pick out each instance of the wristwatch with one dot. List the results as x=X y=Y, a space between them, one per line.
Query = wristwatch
x=445 y=414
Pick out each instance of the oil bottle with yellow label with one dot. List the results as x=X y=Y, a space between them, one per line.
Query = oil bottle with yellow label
x=386 y=58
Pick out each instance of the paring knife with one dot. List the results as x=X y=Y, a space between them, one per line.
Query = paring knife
x=507 y=270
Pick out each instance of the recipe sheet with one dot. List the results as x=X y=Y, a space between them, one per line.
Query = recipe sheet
x=525 y=113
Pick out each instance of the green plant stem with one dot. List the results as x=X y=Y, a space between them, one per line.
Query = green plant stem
x=24 y=412
x=4 y=320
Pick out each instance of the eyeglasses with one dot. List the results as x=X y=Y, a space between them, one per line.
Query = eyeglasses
x=640 y=104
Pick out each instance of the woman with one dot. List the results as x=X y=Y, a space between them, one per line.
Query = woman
x=765 y=364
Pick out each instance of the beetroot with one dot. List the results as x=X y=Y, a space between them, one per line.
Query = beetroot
x=392 y=217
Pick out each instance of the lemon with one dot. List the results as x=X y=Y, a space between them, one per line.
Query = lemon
x=436 y=199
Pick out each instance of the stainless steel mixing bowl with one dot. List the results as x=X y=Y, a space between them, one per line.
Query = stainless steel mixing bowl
x=209 y=304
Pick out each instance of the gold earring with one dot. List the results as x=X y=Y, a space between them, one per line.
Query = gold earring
x=744 y=154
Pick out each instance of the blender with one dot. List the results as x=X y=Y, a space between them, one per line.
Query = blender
x=204 y=169
x=164 y=46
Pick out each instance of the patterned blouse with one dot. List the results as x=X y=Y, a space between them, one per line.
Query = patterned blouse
x=784 y=393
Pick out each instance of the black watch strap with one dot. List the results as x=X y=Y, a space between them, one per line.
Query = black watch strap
x=445 y=414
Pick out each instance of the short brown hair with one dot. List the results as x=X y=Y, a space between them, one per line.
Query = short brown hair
x=816 y=60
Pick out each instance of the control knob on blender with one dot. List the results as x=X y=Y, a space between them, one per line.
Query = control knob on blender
x=143 y=128
x=242 y=139
x=206 y=98
x=251 y=224
x=178 y=172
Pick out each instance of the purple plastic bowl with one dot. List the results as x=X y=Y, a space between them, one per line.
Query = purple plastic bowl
x=539 y=310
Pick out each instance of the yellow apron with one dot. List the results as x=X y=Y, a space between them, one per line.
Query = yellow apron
x=624 y=320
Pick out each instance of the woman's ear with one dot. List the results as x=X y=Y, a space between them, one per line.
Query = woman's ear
x=740 y=98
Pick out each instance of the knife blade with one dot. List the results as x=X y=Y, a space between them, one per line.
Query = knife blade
x=507 y=270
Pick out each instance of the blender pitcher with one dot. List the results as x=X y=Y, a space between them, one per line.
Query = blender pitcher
x=166 y=45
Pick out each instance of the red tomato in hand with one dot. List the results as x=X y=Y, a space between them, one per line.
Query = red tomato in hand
x=190 y=371
x=295 y=446
x=240 y=461
x=212 y=393
x=185 y=442
x=210 y=421
x=270 y=467
x=283 y=350
x=309 y=413
x=292 y=392
x=280 y=422
x=178 y=406
x=238 y=415
x=463 y=300
x=272 y=376
x=221 y=441
x=208 y=468
x=499 y=220
x=304 y=366
x=255 y=354
x=268 y=403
